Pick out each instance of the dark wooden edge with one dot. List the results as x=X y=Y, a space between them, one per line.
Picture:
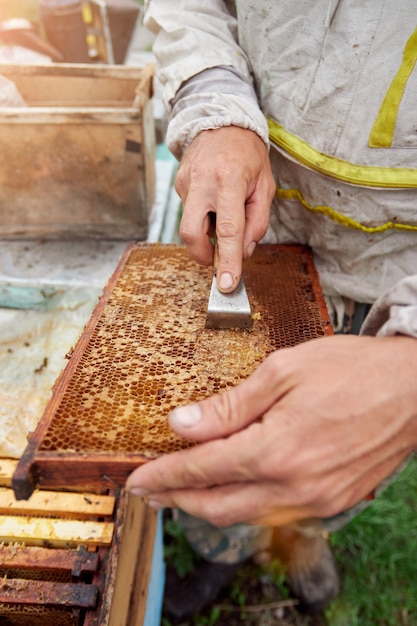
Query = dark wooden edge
x=82 y=70
x=78 y=562
x=318 y=294
x=72 y=472
x=24 y=591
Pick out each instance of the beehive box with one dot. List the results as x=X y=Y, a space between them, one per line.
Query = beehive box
x=74 y=559
x=78 y=160
x=146 y=351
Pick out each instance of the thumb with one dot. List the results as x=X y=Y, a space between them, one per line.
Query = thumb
x=227 y=412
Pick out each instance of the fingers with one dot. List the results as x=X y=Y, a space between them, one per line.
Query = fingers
x=231 y=504
x=225 y=171
x=225 y=198
x=213 y=463
x=257 y=210
x=275 y=503
x=230 y=228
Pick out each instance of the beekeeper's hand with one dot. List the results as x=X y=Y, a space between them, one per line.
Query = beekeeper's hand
x=309 y=434
x=226 y=171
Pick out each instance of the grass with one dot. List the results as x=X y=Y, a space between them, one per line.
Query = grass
x=377 y=556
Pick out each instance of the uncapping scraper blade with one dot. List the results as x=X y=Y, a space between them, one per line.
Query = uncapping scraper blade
x=228 y=310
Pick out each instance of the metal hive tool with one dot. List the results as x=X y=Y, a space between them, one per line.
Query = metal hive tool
x=146 y=350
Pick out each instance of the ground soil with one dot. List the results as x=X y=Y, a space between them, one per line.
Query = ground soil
x=253 y=599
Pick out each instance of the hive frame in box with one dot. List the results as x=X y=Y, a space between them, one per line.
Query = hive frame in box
x=71 y=577
x=145 y=350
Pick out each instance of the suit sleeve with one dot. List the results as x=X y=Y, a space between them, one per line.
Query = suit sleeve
x=205 y=75
x=395 y=313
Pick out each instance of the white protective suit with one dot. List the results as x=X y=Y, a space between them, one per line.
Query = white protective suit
x=337 y=81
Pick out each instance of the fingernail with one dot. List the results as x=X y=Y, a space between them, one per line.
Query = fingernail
x=138 y=491
x=155 y=504
x=226 y=281
x=251 y=248
x=186 y=416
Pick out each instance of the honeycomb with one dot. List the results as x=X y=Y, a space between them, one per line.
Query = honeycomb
x=21 y=612
x=147 y=351
x=38 y=615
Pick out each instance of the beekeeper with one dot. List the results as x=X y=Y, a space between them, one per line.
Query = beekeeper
x=310 y=105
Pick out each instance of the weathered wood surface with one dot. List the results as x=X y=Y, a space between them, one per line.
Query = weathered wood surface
x=120 y=569
x=22 y=591
x=132 y=569
x=68 y=83
x=70 y=115
x=20 y=557
x=69 y=70
x=55 y=503
x=7 y=468
x=78 y=161
x=71 y=470
x=44 y=531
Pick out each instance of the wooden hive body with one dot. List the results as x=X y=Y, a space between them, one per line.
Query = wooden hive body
x=73 y=558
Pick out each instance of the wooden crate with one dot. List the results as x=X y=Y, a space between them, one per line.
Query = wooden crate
x=78 y=160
